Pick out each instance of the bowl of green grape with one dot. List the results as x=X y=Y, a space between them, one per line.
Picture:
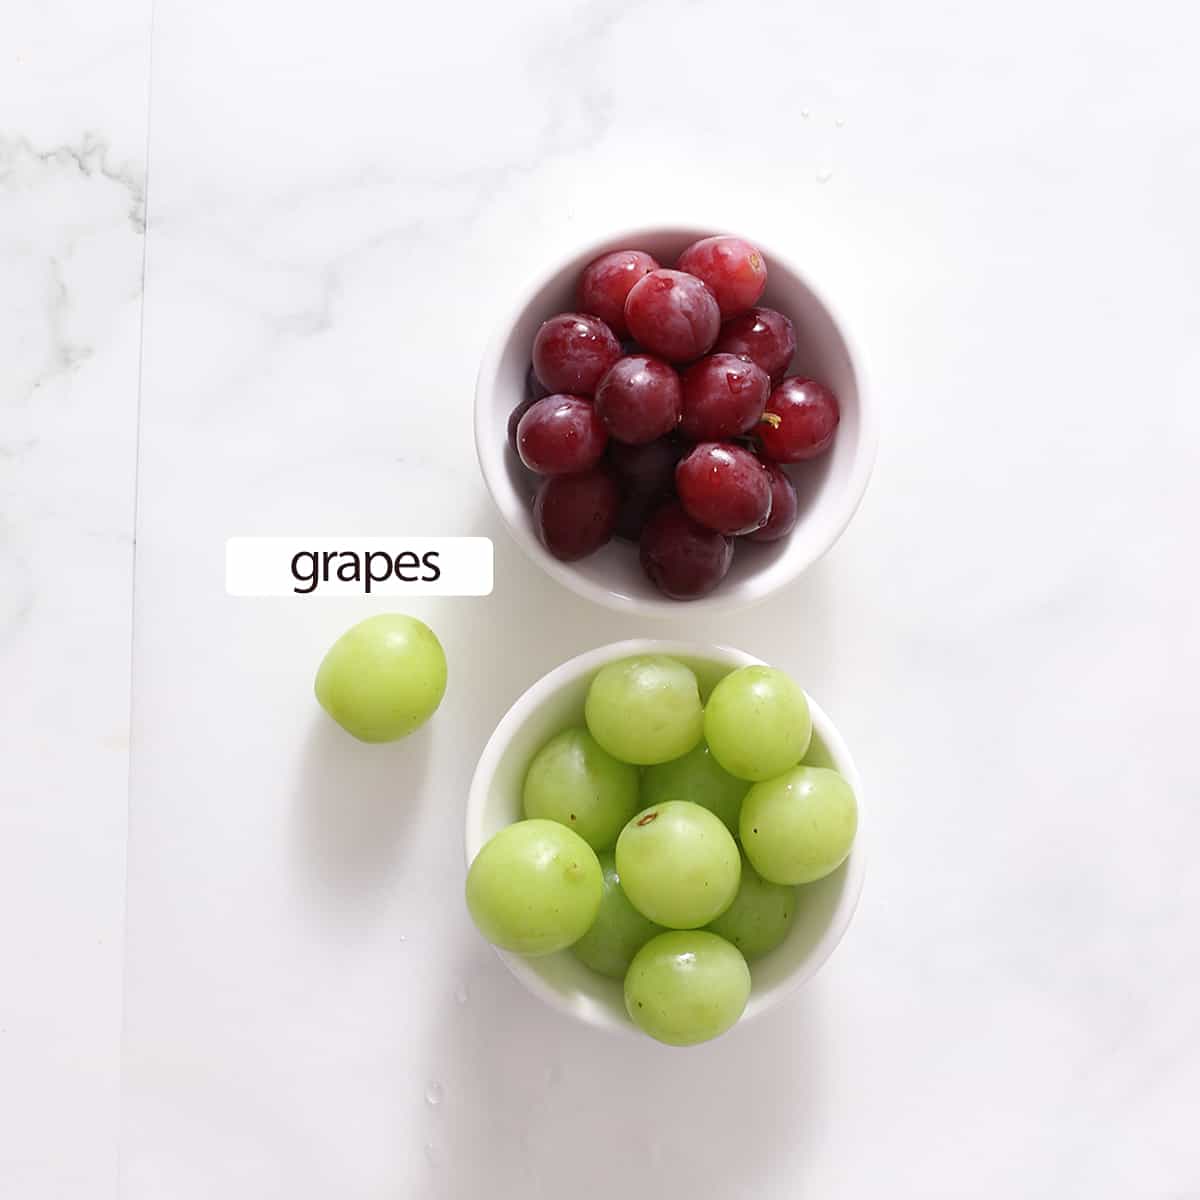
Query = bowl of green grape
x=664 y=839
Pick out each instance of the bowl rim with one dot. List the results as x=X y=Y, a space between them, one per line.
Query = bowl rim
x=490 y=450
x=524 y=969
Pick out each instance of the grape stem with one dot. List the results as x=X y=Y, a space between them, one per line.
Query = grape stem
x=648 y=818
x=772 y=419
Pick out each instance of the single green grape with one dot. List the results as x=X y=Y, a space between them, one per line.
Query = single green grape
x=757 y=723
x=697 y=777
x=383 y=678
x=799 y=827
x=534 y=888
x=759 y=917
x=619 y=930
x=678 y=864
x=686 y=987
x=645 y=710
x=573 y=781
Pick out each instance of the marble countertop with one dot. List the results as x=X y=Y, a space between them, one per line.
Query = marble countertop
x=249 y=256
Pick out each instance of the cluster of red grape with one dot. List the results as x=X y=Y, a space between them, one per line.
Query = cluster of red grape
x=674 y=437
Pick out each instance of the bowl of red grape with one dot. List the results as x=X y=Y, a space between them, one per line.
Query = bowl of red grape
x=663 y=839
x=672 y=416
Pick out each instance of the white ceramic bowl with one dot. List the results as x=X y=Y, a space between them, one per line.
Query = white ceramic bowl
x=554 y=703
x=830 y=487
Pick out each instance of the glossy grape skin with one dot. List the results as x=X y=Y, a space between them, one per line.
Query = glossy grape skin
x=723 y=396
x=757 y=723
x=760 y=916
x=645 y=709
x=724 y=487
x=571 y=352
x=639 y=399
x=799 y=826
x=734 y=269
x=684 y=559
x=383 y=678
x=619 y=930
x=534 y=888
x=561 y=435
x=575 y=515
x=679 y=865
x=699 y=778
x=800 y=421
x=573 y=781
x=605 y=283
x=646 y=476
x=785 y=507
x=673 y=315
x=763 y=335
x=686 y=987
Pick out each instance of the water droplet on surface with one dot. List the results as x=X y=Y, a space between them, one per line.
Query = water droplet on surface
x=805 y=113
x=824 y=176
x=553 y=1073
x=404 y=937
x=434 y=1093
x=840 y=122
x=461 y=994
x=432 y=1155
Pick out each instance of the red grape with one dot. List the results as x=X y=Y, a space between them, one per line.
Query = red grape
x=576 y=514
x=733 y=268
x=639 y=399
x=723 y=395
x=724 y=487
x=646 y=476
x=800 y=420
x=672 y=314
x=572 y=351
x=785 y=507
x=514 y=419
x=606 y=281
x=684 y=559
x=649 y=467
x=560 y=435
x=762 y=334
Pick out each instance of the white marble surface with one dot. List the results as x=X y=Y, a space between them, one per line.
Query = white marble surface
x=339 y=205
x=73 y=88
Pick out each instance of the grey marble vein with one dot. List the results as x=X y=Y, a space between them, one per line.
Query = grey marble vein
x=91 y=157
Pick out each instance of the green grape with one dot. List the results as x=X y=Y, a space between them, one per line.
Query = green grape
x=759 y=917
x=697 y=777
x=645 y=710
x=686 y=987
x=678 y=864
x=383 y=678
x=618 y=932
x=534 y=888
x=757 y=723
x=799 y=827
x=572 y=781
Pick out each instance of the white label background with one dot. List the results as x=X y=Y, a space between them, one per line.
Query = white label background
x=263 y=566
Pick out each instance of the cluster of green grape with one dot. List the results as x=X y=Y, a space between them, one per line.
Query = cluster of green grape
x=629 y=852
